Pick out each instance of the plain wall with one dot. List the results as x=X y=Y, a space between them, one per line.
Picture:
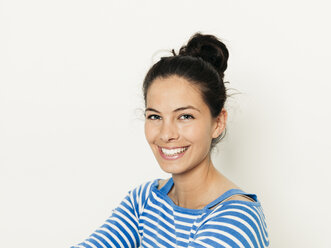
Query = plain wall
x=71 y=126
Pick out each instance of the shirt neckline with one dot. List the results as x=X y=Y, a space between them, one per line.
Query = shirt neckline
x=167 y=187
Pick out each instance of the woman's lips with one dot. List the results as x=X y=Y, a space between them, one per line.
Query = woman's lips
x=172 y=153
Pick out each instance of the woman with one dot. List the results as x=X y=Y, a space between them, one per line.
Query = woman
x=197 y=206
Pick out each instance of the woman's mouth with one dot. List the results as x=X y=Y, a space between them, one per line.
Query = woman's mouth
x=172 y=153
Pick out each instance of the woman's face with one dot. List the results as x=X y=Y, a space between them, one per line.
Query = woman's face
x=179 y=126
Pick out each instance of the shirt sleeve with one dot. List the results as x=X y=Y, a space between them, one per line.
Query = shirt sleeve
x=237 y=224
x=121 y=229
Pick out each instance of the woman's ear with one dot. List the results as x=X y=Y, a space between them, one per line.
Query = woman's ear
x=220 y=123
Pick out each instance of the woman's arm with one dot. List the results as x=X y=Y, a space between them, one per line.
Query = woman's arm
x=121 y=229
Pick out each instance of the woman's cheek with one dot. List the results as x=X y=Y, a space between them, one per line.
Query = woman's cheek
x=154 y=132
x=189 y=132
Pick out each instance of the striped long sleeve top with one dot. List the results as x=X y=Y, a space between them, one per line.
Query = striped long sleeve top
x=147 y=217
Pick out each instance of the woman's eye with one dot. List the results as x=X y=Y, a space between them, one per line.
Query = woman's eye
x=186 y=117
x=153 y=117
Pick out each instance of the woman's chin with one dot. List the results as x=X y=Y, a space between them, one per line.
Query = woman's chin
x=171 y=168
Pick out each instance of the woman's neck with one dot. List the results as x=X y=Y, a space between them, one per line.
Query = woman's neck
x=196 y=188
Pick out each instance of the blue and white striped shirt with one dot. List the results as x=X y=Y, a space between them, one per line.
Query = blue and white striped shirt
x=147 y=217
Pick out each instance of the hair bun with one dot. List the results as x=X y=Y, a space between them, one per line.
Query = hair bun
x=210 y=49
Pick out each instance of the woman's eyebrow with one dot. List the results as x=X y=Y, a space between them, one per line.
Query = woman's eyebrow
x=186 y=107
x=151 y=109
x=176 y=110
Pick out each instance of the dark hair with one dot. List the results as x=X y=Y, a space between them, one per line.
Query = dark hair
x=203 y=62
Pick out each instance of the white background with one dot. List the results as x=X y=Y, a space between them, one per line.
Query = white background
x=71 y=125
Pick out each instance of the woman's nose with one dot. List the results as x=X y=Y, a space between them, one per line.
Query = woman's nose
x=168 y=132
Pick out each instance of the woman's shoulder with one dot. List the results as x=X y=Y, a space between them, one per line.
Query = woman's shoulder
x=242 y=219
x=236 y=196
x=145 y=186
x=228 y=191
x=161 y=183
x=138 y=195
x=144 y=189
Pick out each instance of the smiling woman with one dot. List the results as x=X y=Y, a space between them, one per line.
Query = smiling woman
x=197 y=206
x=182 y=126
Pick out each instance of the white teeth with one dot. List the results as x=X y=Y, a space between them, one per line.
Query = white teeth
x=172 y=152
